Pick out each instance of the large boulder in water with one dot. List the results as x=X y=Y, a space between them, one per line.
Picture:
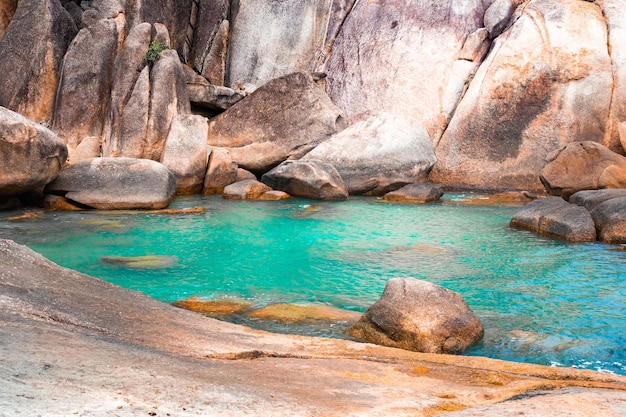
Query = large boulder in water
x=30 y=155
x=116 y=183
x=610 y=220
x=415 y=193
x=581 y=166
x=547 y=81
x=379 y=154
x=555 y=217
x=284 y=119
x=589 y=199
x=31 y=52
x=417 y=315
x=309 y=179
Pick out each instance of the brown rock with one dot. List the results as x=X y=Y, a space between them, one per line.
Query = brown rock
x=417 y=315
x=55 y=202
x=185 y=152
x=209 y=38
x=555 y=217
x=86 y=80
x=7 y=10
x=293 y=313
x=221 y=172
x=379 y=154
x=214 y=308
x=415 y=193
x=504 y=198
x=579 y=166
x=245 y=190
x=214 y=64
x=212 y=97
x=30 y=155
x=610 y=220
x=284 y=119
x=309 y=179
x=116 y=183
x=244 y=174
x=614 y=176
x=88 y=148
x=32 y=51
x=274 y=195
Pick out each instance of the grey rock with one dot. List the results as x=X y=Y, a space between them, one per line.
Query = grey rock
x=415 y=193
x=213 y=97
x=116 y=183
x=555 y=217
x=589 y=199
x=498 y=16
x=610 y=220
x=417 y=315
x=309 y=179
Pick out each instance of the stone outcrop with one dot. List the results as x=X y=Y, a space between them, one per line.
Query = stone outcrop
x=589 y=199
x=415 y=193
x=208 y=55
x=221 y=171
x=310 y=179
x=379 y=154
x=32 y=51
x=417 y=315
x=555 y=217
x=245 y=190
x=525 y=99
x=610 y=220
x=30 y=155
x=582 y=166
x=7 y=10
x=212 y=97
x=284 y=119
x=185 y=152
x=272 y=39
x=116 y=183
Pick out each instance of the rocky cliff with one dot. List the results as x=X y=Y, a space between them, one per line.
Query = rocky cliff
x=495 y=85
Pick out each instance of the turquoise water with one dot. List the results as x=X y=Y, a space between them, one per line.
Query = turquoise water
x=540 y=300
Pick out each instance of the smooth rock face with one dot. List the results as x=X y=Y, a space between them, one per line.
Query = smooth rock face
x=415 y=193
x=30 y=155
x=525 y=99
x=221 y=171
x=270 y=39
x=417 y=315
x=88 y=148
x=116 y=183
x=31 y=54
x=185 y=152
x=86 y=80
x=589 y=199
x=610 y=220
x=555 y=217
x=389 y=58
x=378 y=154
x=245 y=190
x=310 y=179
x=284 y=119
x=579 y=166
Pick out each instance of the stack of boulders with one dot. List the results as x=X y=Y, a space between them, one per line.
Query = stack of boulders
x=588 y=186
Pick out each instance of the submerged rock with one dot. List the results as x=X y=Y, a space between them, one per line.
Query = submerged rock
x=215 y=308
x=293 y=313
x=141 y=262
x=553 y=216
x=417 y=315
x=309 y=179
x=415 y=193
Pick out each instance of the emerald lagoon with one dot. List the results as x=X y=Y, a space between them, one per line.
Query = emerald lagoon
x=540 y=300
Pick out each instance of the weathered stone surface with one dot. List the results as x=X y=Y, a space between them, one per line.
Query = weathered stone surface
x=614 y=176
x=525 y=99
x=168 y=98
x=208 y=55
x=378 y=154
x=75 y=316
x=415 y=193
x=185 y=152
x=88 y=148
x=85 y=82
x=293 y=313
x=274 y=195
x=417 y=315
x=589 y=199
x=30 y=155
x=118 y=130
x=55 y=202
x=378 y=36
x=245 y=190
x=284 y=119
x=475 y=46
x=212 y=96
x=214 y=308
x=7 y=10
x=498 y=16
x=214 y=66
x=271 y=39
x=32 y=52
x=310 y=179
x=555 y=217
x=610 y=220
x=244 y=174
x=579 y=166
x=116 y=183
x=102 y=9
x=221 y=171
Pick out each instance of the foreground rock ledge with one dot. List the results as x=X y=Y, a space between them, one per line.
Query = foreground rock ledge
x=74 y=345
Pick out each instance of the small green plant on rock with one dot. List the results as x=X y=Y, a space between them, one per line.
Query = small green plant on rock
x=154 y=52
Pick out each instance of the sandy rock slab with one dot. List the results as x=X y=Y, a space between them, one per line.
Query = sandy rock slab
x=74 y=345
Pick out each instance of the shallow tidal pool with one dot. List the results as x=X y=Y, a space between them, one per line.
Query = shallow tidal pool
x=540 y=300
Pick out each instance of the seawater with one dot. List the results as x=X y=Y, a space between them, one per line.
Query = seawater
x=541 y=300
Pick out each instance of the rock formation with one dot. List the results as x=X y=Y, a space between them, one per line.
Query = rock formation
x=415 y=193
x=417 y=315
x=310 y=179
